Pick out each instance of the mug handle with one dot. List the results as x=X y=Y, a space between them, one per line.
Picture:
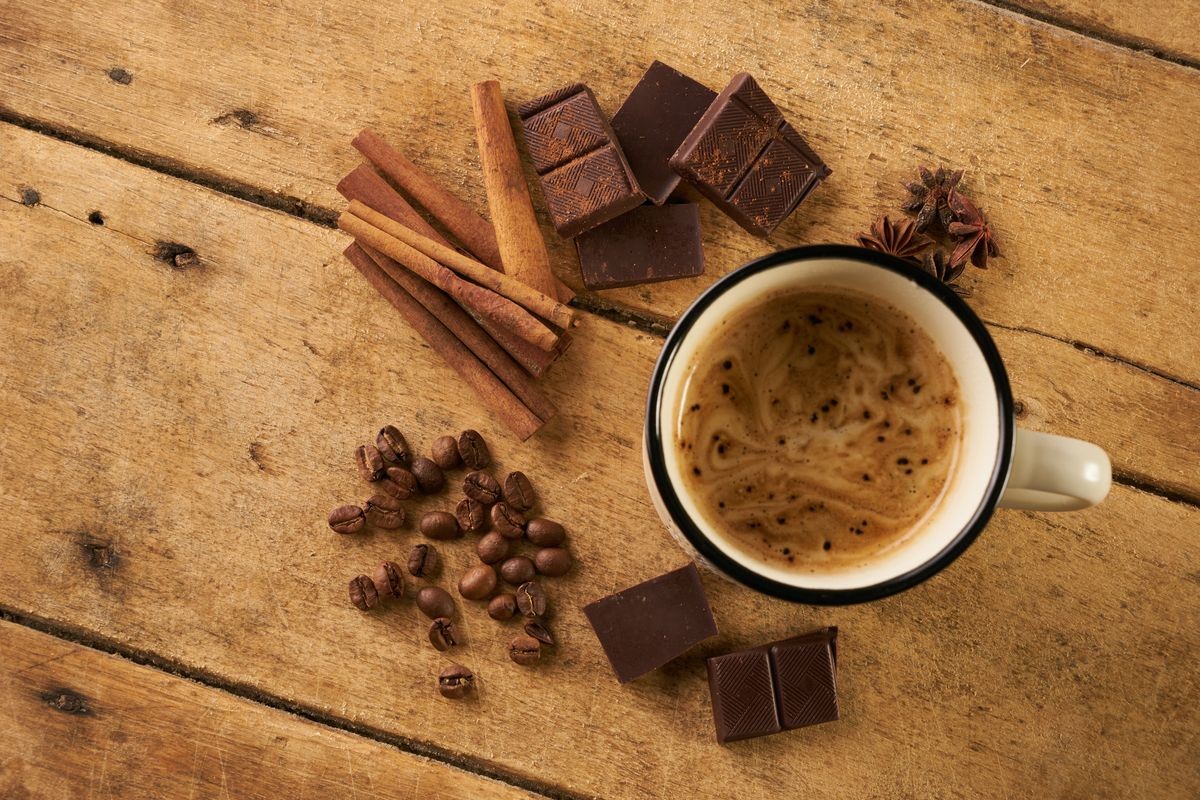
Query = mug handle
x=1056 y=473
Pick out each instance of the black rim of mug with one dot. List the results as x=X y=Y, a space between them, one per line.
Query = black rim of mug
x=897 y=583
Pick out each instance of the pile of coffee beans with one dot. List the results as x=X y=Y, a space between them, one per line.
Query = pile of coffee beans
x=500 y=512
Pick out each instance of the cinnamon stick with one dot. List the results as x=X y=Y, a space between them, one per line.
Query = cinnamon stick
x=365 y=184
x=522 y=248
x=482 y=300
x=491 y=390
x=532 y=359
x=531 y=299
x=459 y=218
x=460 y=323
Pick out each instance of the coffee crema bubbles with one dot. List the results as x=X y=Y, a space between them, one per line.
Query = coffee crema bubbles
x=818 y=428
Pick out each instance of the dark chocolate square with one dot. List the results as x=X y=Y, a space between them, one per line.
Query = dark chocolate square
x=806 y=681
x=799 y=688
x=645 y=245
x=744 y=157
x=586 y=180
x=647 y=625
x=743 y=695
x=654 y=120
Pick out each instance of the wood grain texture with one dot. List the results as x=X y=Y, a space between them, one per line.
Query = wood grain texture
x=1164 y=26
x=75 y=722
x=1092 y=194
x=204 y=420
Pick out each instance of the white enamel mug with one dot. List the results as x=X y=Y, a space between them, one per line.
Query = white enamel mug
x=999 y=466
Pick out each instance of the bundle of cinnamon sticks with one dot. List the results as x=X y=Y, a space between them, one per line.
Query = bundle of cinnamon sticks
x=490 y=306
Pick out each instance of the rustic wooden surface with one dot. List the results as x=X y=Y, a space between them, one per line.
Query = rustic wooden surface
x=174 y=436
x=1166 y=27
x=1083 y=153
x=75 y=722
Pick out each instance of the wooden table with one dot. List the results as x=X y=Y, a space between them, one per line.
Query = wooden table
x=174 y=613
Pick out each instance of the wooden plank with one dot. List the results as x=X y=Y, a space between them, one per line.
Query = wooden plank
x=1163 y=26
x=75 y=722
x=176 y=435
x=1091 y=200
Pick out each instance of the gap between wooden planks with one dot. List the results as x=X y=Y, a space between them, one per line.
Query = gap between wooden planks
x=75 y=722
x=1090 y=199
x=1166 y=28
x=203 y=418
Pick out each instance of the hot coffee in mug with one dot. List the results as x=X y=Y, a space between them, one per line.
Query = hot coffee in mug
x=832 y=425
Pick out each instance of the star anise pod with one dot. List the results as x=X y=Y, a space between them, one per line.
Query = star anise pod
x=898 y=238
x=938 y=265
x=976 y=238
x=929 y=197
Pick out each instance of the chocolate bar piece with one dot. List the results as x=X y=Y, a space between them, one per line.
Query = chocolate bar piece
x=648 y=244
x=645 y=626
x=654 y=120
x=776 y=687
x=747 y=159
x=585 y=178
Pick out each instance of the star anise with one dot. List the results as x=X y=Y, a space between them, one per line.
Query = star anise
x=971 y=228
x=929 y=197
x=898 y=238
x=938 y=265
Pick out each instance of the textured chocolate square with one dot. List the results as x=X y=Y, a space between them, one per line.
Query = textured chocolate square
x=776 y=687
x=647 y=625
x=645 y=245
x=747 y=159
x=743 y=695
x=654 y=120
x=805 y=678
x=586 y=180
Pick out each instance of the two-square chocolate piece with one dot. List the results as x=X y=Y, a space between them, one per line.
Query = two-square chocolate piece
x=747 y=159
x=645 y=626
x=777 y=687
x=586 y=180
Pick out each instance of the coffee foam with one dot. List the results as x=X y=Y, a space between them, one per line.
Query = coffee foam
x=818 y=428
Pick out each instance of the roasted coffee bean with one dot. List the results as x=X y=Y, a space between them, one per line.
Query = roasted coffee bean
x=370 y=462
x=507 y=521
x=539 y=631
x=363 y=593
x=441 y=634
x=544 y=532
x=531 y=599
x=428 y=474
x=472 y=515
x=482 y=487
x=525 y=650
x=400 y=483
x=493 y=548
x=434 y=602
x=439 y=525
x=347 y=519
x=552 y=561
x=477 y=582
x=445 y=452
x=423 y=561
x=384 y=511
x=473 y=450
x=388 y=580
x=455 y=681
x=518 y=492
x=517 y=570
x=393 y=446
x=502 y=607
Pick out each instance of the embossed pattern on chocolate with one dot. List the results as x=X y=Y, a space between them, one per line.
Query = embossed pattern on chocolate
x=747 y=159
x=586 y=180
